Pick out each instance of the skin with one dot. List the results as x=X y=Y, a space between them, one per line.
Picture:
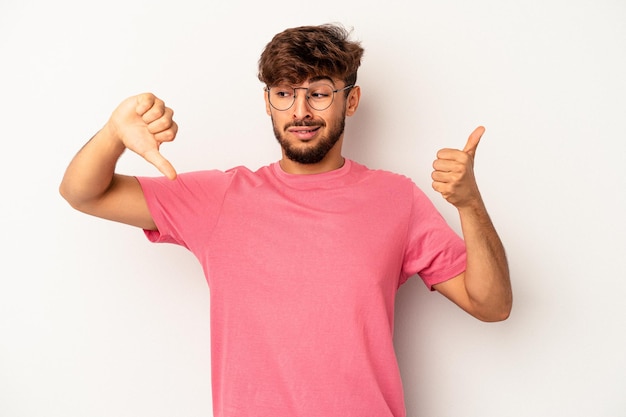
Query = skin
x=142 y=123
x=298 y=137
x=484 y=289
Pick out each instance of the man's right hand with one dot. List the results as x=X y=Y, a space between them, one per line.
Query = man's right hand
x=142 y=123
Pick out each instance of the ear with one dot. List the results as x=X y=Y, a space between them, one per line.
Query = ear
x=268 y=109
x=353 y=100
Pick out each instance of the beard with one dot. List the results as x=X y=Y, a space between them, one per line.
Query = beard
x=315 y=153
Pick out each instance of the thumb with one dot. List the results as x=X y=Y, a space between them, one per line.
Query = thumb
x=163 y=165
x=473 y=140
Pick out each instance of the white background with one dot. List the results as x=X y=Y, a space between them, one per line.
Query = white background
x=95 y=321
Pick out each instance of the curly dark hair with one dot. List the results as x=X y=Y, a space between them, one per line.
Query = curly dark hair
x=300 y=53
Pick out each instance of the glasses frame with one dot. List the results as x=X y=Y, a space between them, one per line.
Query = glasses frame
x=307 y=96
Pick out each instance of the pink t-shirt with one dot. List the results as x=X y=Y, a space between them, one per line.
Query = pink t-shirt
x=303 y=271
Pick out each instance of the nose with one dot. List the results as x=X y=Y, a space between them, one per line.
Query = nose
x=301 y=108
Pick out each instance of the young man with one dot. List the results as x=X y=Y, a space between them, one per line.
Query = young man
x=303 y=257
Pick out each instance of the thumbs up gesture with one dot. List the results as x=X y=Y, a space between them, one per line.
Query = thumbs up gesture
x=453 y=175
x=142 y=123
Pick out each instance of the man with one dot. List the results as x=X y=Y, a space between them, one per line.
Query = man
x=303 y=257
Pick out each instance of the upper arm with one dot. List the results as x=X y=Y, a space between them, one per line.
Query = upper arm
x=485 y=308
x=122 y=202
x=454 y=289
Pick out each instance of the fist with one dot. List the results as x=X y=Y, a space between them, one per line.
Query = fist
x=142 y=123
x=453 y=175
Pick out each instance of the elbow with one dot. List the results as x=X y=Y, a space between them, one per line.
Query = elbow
x=497 y=313
x=63 y=191
x=495 y=317
x=66 y=194
x=71 y=197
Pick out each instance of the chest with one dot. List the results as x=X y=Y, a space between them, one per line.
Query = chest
x=316 y=239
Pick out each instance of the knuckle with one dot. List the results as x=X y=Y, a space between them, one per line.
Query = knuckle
x=167 y=135
x=170 y=135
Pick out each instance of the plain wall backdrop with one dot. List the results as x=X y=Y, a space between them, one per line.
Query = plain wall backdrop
x=96 y=321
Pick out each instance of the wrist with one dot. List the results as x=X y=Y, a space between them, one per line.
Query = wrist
x=109 y=134
x=474 y=206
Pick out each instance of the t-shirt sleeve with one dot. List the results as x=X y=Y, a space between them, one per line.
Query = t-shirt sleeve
x=434 y=251
x=185 y=209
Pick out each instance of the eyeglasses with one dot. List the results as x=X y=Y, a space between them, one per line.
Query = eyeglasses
x=319 y=95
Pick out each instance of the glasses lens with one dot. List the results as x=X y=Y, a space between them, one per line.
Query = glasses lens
x=281 y=97
x=320 y=96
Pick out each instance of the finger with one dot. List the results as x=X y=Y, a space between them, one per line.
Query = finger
x=441 y=177
x=449 y=164
x=163 y=123
x=446 y=153
x=162 y=164
x=452 y=160
x=167 y=135
x=441 y=188
x=150 y=108
x=144 y=103
x=473 y=140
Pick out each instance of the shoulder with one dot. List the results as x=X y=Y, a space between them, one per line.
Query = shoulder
x=193 y=184
x=382 y=177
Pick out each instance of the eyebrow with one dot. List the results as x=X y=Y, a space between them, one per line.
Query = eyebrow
x=321 y=78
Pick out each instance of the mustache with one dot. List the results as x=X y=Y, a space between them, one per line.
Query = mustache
x=303 y=122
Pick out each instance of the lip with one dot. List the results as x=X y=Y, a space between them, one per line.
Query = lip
x=304 y=132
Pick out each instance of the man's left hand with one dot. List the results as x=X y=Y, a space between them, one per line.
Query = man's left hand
x=453 y=175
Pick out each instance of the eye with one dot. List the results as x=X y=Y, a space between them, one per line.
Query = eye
x=282 y=92
x=320 y=92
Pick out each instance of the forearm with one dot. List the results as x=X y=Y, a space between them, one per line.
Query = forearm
x=91 y=171
x=487 y=279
